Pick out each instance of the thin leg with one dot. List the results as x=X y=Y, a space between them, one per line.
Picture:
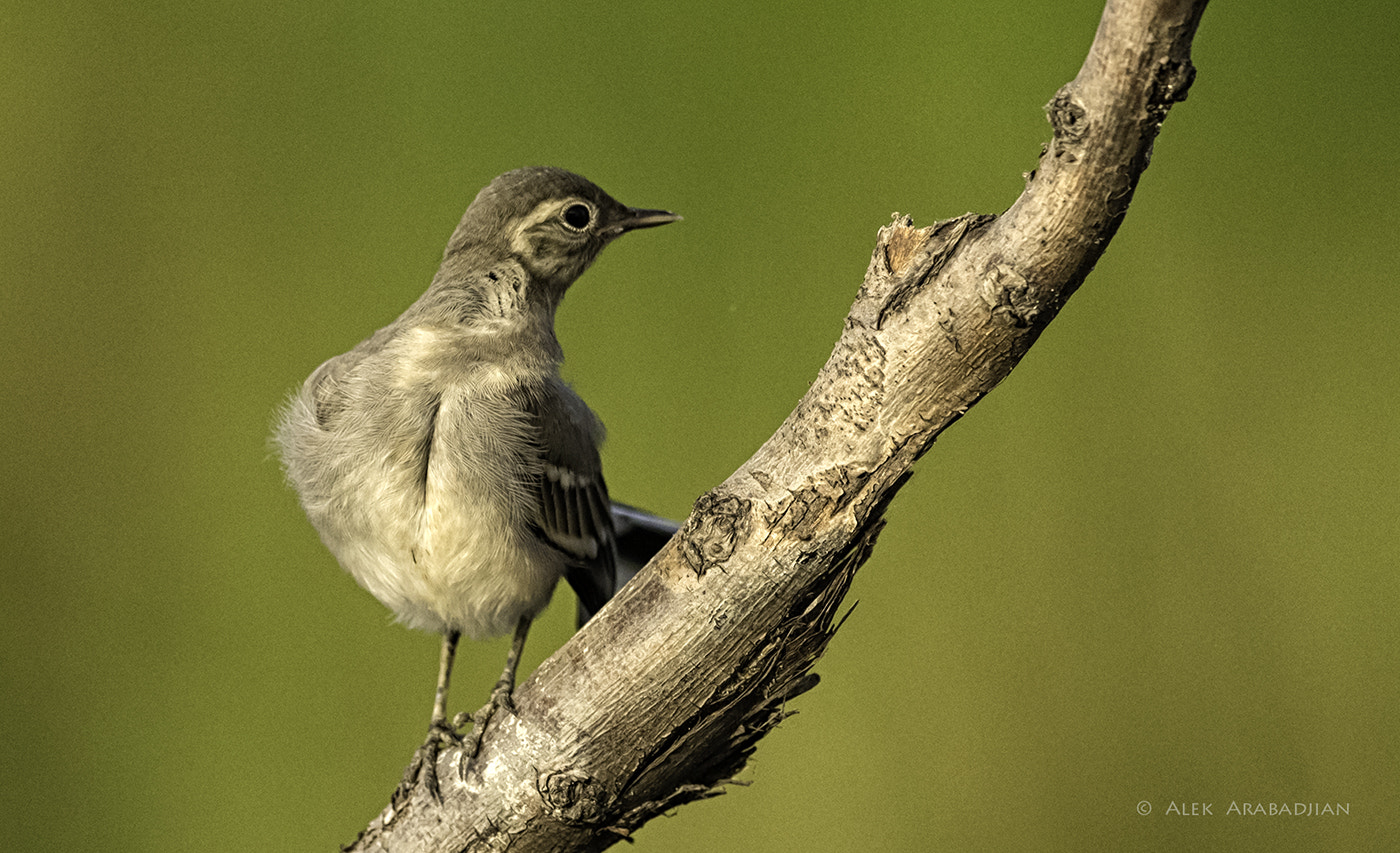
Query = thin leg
x=501 y=696
x=440 y=732
x=449 y=651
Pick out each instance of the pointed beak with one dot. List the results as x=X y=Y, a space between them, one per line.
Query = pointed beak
x=637 y=218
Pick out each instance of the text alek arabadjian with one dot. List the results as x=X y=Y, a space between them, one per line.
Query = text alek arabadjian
x=1257 y=809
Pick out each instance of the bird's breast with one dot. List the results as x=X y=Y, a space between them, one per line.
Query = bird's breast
x=479 y=468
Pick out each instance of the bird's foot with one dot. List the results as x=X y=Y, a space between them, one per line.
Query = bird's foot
x=424 y=764
x=501 y=700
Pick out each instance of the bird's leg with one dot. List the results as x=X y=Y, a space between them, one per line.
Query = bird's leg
x=449 y=652
x=440 y=732
x=500 y=696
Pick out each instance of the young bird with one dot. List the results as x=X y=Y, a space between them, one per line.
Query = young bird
x=444 y=462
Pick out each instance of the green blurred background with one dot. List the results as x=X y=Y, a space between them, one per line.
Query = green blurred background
x=1157 y=564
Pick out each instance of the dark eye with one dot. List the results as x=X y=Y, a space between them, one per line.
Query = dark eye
x=577 y=216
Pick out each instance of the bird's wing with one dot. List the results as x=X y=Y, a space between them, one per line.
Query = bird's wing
x=574 y=511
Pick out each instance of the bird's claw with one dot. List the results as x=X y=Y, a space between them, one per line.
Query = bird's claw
x=501 y=700
x=424 y=764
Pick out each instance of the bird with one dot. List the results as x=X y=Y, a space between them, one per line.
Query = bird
x=444 y=461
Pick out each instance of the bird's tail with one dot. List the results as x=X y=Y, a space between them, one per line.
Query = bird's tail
x=639 y=535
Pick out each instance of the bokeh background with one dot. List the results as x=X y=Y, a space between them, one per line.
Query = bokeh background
x=1158 y=564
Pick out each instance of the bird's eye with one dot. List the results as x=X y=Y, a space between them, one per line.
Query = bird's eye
x=577 y=216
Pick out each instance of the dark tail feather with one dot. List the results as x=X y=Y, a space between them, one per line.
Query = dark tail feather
x=639 y=535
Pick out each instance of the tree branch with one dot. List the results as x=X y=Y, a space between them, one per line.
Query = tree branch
x=661 y=698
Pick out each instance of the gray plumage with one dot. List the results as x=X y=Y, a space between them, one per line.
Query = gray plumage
x=444 y=462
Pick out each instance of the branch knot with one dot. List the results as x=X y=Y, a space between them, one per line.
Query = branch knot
x=723 y=521
x=1069 y=119
x=573 y=796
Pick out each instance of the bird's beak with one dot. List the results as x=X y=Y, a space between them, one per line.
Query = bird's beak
x=638 y=218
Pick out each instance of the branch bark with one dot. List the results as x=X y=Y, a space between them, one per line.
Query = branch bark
x=661 y=698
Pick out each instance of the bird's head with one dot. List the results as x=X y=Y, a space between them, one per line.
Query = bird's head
x=553 y=222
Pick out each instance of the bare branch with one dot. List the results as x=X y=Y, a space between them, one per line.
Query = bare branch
x=663 y=696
